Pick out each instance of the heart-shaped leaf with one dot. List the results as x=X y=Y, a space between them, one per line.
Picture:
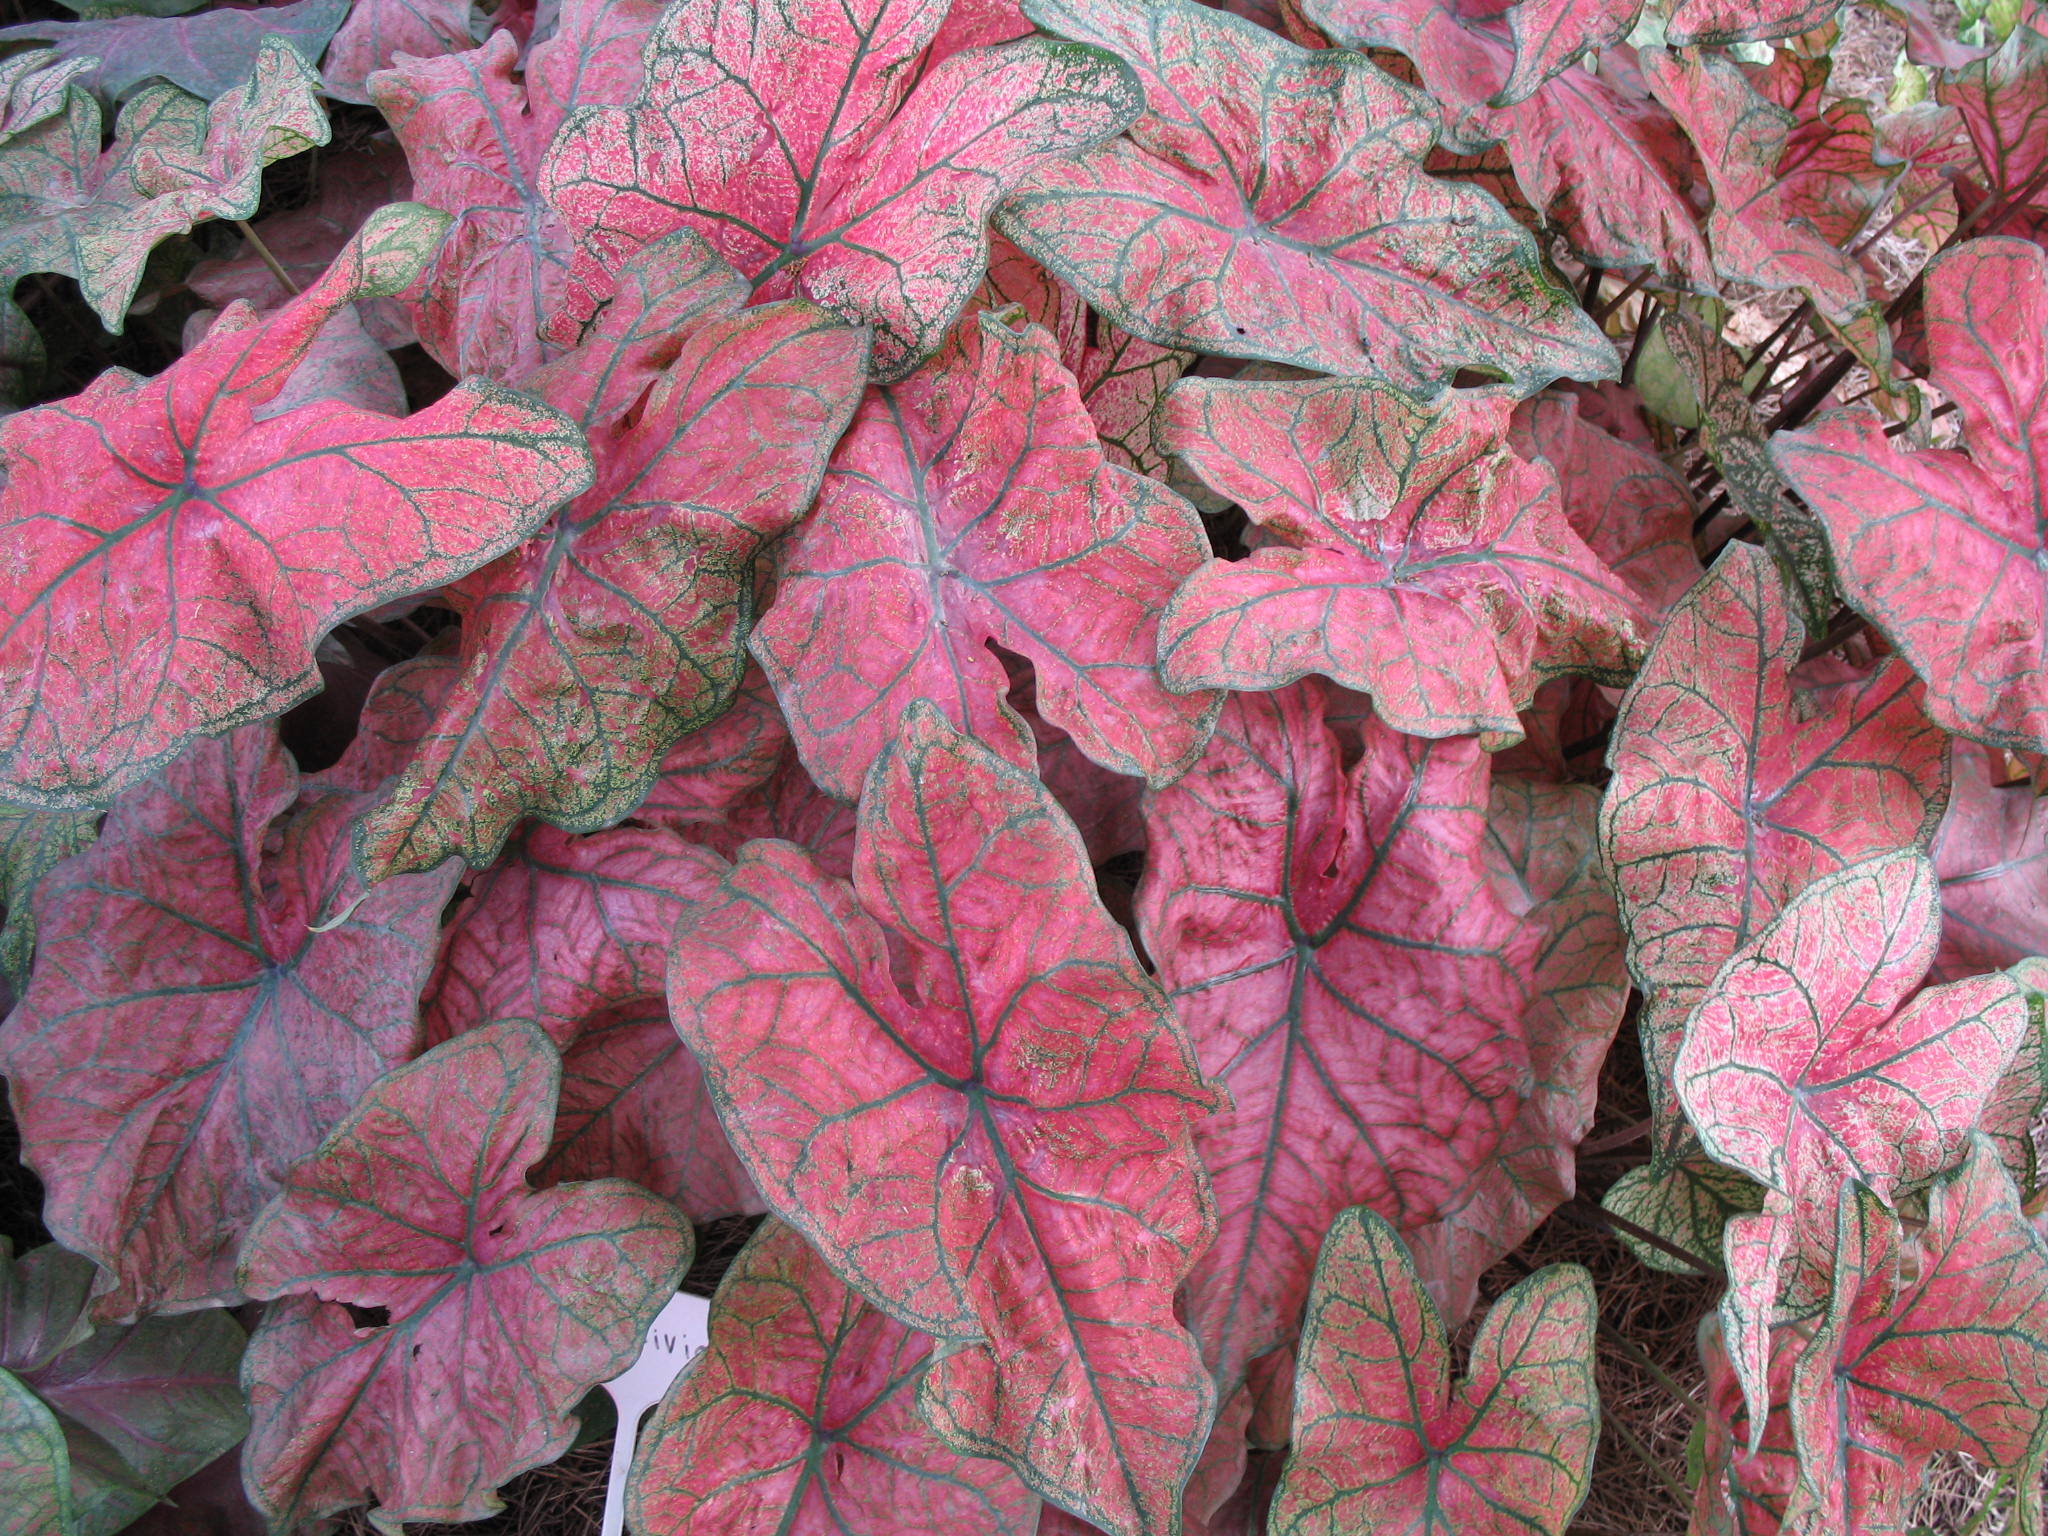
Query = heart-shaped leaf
x=175 y=161
x=273 y=532
x=1606 y=163
x=1349 y=973
x=1631 y=508
x=105 y=1420
x=983 y=1124
x=378 y=31
x=1551 y=35
x=188 y=1033
x=972 y=504
x=501 y=272
x=1542 y=859
x=591 y=650
x=1801 y=1068
x=801 y=1418
x=1943 y=552
x=1756 y=231
x=209 y=55
x=499 y=1297
x=1733 y=790
x=1382 y=1440
x=1341 y=256
x=870 y=167
x=1957 y=1362
x=2003 y=103
x=1428 y=567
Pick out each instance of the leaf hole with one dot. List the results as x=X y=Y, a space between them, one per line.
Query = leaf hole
x=368 y=1317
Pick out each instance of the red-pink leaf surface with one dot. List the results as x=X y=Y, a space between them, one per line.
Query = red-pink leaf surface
x=1757 y=235
x=1542 y=859
x=304 y=241
x=1631 y=508
x=1382 y=1438
x=173 y=561
x=1801 y=1067
x=972 y=504
x=378 y=31
x=1829 y=173
x=475 y=126
x=1944 y=552
x=572 y=933
x=956 y=1081
x=1733 y=790
x=802 y=1419
x=1349 y=973
x=564 y=927
x=593 y=649
x=1702 y=23
x=1740 y=1492
x=1551 y=35
x=1124 y=380
x=187 y=1035
x=715 y=770
x=826 y=154
x=1605 y=162
x=2003 y=102
x=1992 y=856
x=1339 y=255
x=1413 y=556
x=505 y=1304
x=1957 y=1362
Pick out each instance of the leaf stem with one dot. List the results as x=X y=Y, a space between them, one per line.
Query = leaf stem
x=276 y=267
x=1642 y=1453
x=1586 y=1213
x=1636 y=1356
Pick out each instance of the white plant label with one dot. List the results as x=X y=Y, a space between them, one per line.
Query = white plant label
x=680 y=1334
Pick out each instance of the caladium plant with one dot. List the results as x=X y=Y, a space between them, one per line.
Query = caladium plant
x=1056 y=656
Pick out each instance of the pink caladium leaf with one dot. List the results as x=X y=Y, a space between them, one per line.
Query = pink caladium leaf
x=1801 y=1067
x=176 y=161
x=182 y=997
x=869 y=169
x=972 y=504
x=306 y=240
x=572 y=934
x=1992 y=856
x=1605 y=163
x=1552 y=35
x=475 y=126
x=1708 y=23
x=2003 y=102
x=1756 y=234
x=1743 y=1492
x=208 y=55
x=592 y=650
x=1942 y=551
x=563 y=928
x=134 y=1410
x=512 y=1300
x=715 y=770
x=1957 y=1361
x=1123 y=380
x=1382 y=1438
x=802 y=1418
x=1631 y=508
x=983 y=1123
x=1414 y=556
x=1349 y=973
x=1341 y=256
x=272 y=532
x=1542 y=858
x=1732 y=790
x=378 y=31
x=1830 y=172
